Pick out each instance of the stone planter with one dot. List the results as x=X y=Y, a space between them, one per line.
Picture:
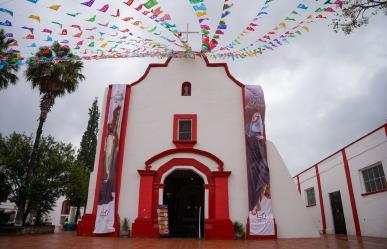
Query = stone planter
x=26 y=230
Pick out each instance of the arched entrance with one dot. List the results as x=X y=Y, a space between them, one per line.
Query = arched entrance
x=217 y=223
x=184 y=196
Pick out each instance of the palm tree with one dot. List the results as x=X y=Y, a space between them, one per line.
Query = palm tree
x=8 y=61
x=54 y=71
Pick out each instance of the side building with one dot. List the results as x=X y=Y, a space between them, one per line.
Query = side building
x=346 y=192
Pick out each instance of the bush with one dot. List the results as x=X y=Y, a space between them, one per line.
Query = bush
x=239 y=230
x=70 y=227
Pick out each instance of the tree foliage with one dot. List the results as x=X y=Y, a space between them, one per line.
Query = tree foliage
x=47 y=179
x=53 y=78
x=356 y=13
x=8 y=61
x=86 y=153
x=77 y=185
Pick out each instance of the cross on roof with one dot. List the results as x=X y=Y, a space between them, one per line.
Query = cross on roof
x=188 y=33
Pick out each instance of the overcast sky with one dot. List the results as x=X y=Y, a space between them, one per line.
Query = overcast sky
x=323 y=90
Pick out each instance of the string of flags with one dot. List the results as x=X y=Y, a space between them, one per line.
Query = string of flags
x=110 y=32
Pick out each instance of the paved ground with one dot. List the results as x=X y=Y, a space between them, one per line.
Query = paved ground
x=68 y=240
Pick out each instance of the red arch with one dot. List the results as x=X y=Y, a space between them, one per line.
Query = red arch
x=185 y=150
x=208 y=64
x=183 y=162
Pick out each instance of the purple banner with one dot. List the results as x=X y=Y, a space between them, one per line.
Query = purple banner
x=261 y=219
x=106 y=199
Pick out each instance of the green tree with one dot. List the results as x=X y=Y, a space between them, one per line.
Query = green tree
x=53 y=78
x=86 y=153
x=356 y=13
x=8 y=61
x=48 y=178
x=76 y=186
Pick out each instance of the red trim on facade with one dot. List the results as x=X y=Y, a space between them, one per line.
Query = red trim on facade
x=217 y=226
x=120 y=159
x=298 y=185
x=165 y=64
x=175 y=132
x=324 y=224
x=374 y=192
x=224 y=65
x=208 y=64
x=184 y=150
x=351 y=195
x=357 y=140
x=101 y=151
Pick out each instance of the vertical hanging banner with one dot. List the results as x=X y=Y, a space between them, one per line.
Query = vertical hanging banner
x=261 y=220
x=107 y=186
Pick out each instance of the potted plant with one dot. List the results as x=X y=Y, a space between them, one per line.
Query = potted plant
x=124 y=227
x=239 y=230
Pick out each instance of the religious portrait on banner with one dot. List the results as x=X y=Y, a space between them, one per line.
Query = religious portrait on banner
x=106 y=198
x=260 y=209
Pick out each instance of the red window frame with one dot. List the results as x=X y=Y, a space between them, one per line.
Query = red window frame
x=184 y=143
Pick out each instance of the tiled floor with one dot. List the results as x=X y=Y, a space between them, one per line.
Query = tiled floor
x=68 y=240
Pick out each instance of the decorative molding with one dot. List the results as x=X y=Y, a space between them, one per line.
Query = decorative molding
x=165 y=153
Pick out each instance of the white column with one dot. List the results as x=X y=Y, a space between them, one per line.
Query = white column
x=206 y=200
x=161 y=195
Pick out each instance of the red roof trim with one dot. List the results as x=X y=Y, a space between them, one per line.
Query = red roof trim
x=208 y=64
x=184 y=150
x=339 y=151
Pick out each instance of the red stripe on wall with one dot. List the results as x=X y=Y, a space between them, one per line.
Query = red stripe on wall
x=385 y=129
x=324 y=225
x=121 y=148
x=101 y=151
x=298 y=184
x=351 y=195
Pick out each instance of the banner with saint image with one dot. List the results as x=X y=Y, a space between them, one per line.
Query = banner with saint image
x=107 y=186
x=261 y=220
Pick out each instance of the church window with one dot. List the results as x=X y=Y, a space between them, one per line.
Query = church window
x=374 y=178
x=184 y=130
x=65 y=207
x=186 y=89
x=310 y=197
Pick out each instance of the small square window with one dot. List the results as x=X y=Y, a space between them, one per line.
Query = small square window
x=185 y=130
x=374 y=178
x=310 y=197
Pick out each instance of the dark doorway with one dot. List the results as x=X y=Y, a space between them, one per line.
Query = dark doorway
x=338 y=213
x=184 y=196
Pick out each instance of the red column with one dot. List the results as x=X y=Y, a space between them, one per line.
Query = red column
x=298 y=184
x=221 y=194
x=145 y=194
x=351 y=195
x=219 y=226
x=143 y=226
x=324 y=224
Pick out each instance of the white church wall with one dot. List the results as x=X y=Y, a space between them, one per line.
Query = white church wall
x=333 y=178
x=93 y=174
x=371 y=208
x=288 y=207
x=215 y=99
x=308 y=180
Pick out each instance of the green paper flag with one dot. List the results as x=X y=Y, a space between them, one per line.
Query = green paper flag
x=150 y=4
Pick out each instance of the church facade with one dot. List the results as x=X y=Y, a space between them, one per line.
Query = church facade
x=182 y=147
